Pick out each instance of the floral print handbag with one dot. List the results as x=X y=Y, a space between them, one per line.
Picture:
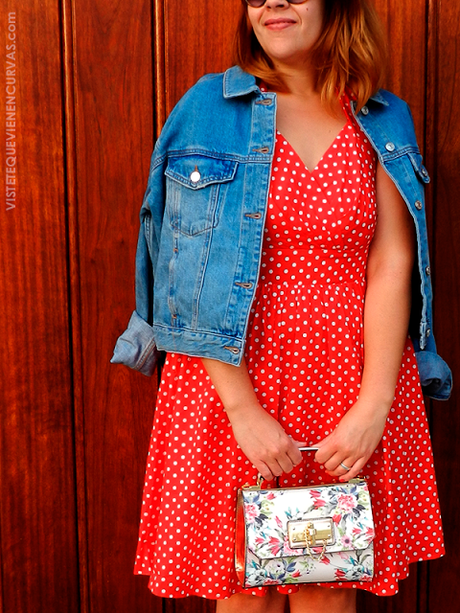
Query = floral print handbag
x=304 y=534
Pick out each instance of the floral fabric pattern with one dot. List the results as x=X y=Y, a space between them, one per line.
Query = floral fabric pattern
x=269 y=556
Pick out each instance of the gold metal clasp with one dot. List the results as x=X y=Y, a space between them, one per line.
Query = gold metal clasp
x=311 y=533
x=258 y=486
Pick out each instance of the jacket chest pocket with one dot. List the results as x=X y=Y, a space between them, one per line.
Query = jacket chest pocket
x=195 y=189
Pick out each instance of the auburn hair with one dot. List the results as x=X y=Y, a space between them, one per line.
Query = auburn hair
x=349 y=54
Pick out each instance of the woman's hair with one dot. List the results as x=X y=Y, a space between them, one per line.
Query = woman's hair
x=350 y=52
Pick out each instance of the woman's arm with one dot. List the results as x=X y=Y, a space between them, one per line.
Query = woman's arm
x=386 y=318
x=261 y=438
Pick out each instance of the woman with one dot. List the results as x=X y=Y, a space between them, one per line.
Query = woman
x=274 y=266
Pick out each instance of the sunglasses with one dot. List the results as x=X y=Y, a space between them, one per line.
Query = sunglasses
x=258 y=3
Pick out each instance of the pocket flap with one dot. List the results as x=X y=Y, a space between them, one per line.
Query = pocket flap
x=419 y=168
x=196 y=172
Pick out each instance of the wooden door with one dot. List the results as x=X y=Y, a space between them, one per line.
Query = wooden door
x=38 y=513
x=93 y=82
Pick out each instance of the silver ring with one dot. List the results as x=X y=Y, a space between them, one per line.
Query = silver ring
x=344 y=466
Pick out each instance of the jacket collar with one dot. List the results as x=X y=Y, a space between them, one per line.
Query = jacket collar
x=377 y=97
x=240 y=83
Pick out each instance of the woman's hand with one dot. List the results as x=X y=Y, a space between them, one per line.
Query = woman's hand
x=264 y=442
x=353 y=441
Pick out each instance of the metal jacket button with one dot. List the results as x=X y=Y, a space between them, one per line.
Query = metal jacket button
x=234 y=350
x=418 y=205
x=195 y=176
x=365 y=110
x=390 y=147
x=264 y=101
x=245 y=285
x=428 y=271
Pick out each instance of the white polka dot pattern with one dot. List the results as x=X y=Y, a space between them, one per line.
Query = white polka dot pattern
x=304 y=354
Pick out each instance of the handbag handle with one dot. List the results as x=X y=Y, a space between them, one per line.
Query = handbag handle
x=260 y=479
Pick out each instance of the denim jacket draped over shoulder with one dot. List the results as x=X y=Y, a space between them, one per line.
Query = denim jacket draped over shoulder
x=203 y=216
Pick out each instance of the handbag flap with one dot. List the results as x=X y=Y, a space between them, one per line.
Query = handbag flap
x=337 y=515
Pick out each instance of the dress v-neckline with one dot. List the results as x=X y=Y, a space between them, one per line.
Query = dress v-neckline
x=337 y=137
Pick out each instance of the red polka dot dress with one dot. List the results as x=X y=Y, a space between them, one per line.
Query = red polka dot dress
x=304 y=353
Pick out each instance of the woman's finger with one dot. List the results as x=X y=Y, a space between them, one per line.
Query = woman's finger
x=278 y=466
x=355 y=470
x=301 y=444
x=346 y=465
x=265 y=471
x=294 y=454
x=333 y=463
x=286 y=464
x=324 y=453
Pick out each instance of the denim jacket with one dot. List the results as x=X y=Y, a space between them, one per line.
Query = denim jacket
x=203 y=215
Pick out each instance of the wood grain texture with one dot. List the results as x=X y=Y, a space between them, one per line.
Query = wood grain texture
x=405 y=25
x=192 y=604
x=198 y=38
x=114 y=120
x=75 y=323
x=159 y=66
x=37 y=490
x=444 y=85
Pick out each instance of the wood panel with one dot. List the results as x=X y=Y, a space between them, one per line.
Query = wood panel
x=405 y=24
x=445 y=85
x=114 y=116
x=193 y=604
x=198 y=38
x=37 y=494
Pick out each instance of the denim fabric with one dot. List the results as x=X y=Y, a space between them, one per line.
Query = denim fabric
x=203 y=216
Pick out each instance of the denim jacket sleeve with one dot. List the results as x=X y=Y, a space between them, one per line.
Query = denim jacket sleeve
x=136 y=347
x=435 y=375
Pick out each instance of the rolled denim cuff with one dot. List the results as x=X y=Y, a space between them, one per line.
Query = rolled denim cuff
x=136 y=347
x=435 y=375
